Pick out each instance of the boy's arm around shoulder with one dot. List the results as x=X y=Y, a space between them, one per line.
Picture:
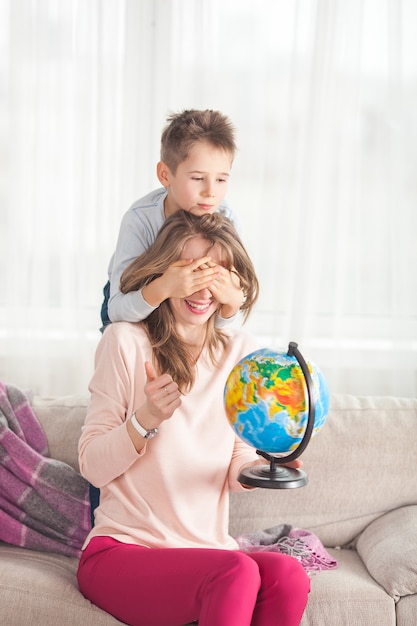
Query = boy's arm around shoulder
x=138 y=230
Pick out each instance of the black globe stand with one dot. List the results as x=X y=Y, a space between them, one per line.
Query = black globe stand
x=274 y=475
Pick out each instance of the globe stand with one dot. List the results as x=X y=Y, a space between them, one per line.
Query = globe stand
x=274 y=476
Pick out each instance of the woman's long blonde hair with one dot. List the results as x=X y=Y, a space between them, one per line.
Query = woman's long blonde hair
x=171 y=352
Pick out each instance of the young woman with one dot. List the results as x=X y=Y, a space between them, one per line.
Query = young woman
x=158 y=445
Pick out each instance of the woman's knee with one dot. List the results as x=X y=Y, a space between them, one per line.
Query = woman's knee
x=284 y=569
x=294 y=575
x=238 y=566
x=245 y=564
x=294 y=579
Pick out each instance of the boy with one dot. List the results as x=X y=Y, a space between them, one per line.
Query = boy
x=197 y=151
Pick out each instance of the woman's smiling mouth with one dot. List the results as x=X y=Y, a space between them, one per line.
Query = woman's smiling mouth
x=197 y=307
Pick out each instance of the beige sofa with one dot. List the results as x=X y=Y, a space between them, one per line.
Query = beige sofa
x=361 y=501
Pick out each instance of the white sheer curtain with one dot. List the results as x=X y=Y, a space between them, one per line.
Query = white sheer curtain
x=324 y=98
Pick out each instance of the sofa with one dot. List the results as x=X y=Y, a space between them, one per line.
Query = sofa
x=360 y=500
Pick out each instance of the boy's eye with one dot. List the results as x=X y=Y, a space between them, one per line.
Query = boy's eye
x=201 y=179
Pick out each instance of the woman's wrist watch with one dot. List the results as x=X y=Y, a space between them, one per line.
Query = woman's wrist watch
x=147 y=434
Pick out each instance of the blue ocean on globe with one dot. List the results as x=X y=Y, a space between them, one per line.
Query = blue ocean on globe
x=266 y=400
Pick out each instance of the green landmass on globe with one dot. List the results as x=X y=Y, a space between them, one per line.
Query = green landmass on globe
x=266 y=400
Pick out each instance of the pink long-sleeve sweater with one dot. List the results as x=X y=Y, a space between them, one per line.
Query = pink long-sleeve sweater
x=175 y=492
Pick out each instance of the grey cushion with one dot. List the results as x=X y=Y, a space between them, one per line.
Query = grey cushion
x=388 y=547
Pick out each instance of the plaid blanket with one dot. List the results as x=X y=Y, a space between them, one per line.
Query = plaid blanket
x=44 y=503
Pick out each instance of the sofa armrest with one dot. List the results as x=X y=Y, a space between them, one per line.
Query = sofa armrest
x=388 y=548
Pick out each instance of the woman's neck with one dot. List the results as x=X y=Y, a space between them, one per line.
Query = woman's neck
x=195 y=337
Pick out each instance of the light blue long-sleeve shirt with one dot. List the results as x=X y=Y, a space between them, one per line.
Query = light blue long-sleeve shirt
x=138 y=230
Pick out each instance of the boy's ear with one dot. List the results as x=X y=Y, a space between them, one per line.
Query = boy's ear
x=163 y=173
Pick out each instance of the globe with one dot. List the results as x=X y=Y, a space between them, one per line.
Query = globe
x=266 y=400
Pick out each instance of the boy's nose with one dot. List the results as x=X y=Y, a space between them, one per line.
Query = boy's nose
x=209 y=191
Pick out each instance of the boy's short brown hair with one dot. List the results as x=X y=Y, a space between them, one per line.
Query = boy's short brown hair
x=186 y=128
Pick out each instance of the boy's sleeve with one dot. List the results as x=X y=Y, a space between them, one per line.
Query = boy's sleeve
x=222 y=322
x=134 y=238
x=226 y=210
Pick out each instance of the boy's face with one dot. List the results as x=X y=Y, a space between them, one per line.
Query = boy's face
x=200 y=182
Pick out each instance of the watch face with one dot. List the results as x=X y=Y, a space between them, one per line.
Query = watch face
x=151 y=433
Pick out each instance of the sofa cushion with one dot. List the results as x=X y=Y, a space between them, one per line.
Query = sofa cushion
x=406 y=610
x=388 y=549
x=347 y=596
x=41 y=588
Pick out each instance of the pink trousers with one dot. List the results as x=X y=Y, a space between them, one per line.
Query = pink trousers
x=172 y=587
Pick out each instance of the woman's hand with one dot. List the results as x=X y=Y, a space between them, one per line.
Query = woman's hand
x=162 y=396
x=162 y=399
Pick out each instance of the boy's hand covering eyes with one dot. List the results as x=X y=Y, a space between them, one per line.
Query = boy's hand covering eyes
x=227 y=290
x=180 y=280
x=187 y=276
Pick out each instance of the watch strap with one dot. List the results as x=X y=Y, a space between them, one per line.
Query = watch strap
x=147 y=434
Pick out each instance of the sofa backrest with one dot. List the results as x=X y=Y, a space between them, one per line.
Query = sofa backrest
x=62 y=419
x=360 y=465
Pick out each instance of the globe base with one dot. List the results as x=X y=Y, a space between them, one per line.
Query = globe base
x=275 y=478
